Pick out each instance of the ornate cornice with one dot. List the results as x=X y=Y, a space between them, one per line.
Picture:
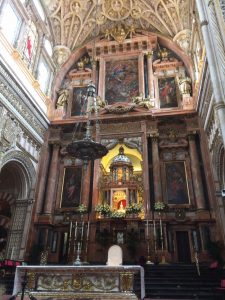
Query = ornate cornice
x=21 y=102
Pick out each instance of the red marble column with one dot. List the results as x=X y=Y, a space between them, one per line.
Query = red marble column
x=156 y=169
x=145 y=168
x=52 y=178
x=150 y=76
x=141 y=72
x=196 y=174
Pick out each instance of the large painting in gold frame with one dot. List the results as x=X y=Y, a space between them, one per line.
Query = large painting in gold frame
x=176 y=183
x=71 y=187
x=121 y=80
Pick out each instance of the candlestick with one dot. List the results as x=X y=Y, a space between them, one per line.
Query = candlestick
x=75 y=233
x=154 y=229
x=161 y=230
x=71 y=226
x=88 y=230
x=12 y=253
x=147 y=227
x=82 y=231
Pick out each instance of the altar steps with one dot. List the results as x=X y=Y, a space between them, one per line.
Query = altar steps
x=181 y=281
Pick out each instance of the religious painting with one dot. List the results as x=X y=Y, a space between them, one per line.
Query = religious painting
x=71 y=187
x=167 y=92
x=79 y=102
x=176 y=183
x=121 y=80
x=119 y=199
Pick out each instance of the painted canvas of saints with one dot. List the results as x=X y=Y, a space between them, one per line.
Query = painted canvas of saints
x=71 y=188
x=79 y=102
x=121 y=80
x=176 y=183
x=167 y=92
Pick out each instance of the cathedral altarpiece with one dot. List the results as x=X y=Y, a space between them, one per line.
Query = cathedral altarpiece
x=145 y=107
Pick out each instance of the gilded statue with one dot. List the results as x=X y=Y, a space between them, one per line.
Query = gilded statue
x=143 y=102
x=185 y=85
x=63 y=95
x=100 y=103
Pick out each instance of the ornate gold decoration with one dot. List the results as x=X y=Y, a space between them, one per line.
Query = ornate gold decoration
x=143 y=102
x=185 y=85
x=60 y=55
x=31 y=277
x=82 y=63
x=119 y=109
x=126 y=282
x=116 y=9
x=119 y=33
x=72 y=21
x=44 y=257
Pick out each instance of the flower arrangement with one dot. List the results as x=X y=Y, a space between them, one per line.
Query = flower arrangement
x=82 y=208
x=117 y=214
x=159 y=206
x=103 y=208
x=134 y=208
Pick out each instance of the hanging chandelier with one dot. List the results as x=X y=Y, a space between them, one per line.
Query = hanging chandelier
x=87 y=149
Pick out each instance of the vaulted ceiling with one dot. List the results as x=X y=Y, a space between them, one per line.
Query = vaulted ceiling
x=74 y=21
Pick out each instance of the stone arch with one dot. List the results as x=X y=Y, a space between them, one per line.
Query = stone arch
x=23 y=164
x=17 y=179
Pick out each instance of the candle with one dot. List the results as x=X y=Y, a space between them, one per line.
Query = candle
x=12 y=253
x=82 y=231
x=71 y=225
x=161 y=229
x=88 y=230
x=147 y=227
x=75 y=233
x=154 y=229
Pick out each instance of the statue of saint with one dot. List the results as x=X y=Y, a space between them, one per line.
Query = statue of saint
x=63 y=95
x=185 y=85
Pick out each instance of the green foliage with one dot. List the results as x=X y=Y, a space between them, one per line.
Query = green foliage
x=103 y=209
x=134 y=208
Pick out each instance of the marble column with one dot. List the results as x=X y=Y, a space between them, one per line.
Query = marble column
x=156 y=169
x=196 y=174
x=52 y=179
x=151 y=91
x=213 y=65
x=141 y=71
x=42 y=175
x=145 y=168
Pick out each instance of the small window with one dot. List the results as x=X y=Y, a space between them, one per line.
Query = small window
x=44 y=75
x=39 y=9
x=11 y=31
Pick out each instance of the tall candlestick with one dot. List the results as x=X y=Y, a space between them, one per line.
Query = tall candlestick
x=75 y=233
x=12 y=253
x=82 y=231
x=147 y=227
x=88 y=230
x=154 y=229
x=71 y=225
x=161 y=229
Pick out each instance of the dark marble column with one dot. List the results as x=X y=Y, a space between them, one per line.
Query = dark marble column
x=156 y=169
x=196 y=174
x=52 y=179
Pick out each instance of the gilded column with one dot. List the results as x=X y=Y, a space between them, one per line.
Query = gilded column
x=52 y=178
x=156 y=168
x=141 y=70
x=151 y=91
x=196 y=174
